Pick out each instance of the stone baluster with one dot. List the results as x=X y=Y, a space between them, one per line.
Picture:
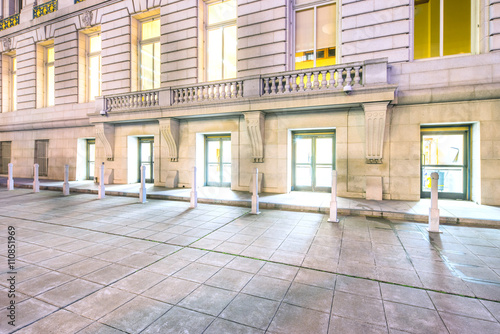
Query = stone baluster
x=356 y=75
x=294 y=83
x=308 y=85
x=316 y=80
x=301 y=82
x=323 y=79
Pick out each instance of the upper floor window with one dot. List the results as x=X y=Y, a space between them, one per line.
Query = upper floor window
x=13 y=83
x=315 y=36
x=442 y=28
x=11 y=7
x=49 y=76
x=221 y=37
x=94 y=66
x=149 y=70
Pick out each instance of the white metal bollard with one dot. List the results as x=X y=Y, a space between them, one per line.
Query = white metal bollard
x=142 y=190
x=66 y=181
x=36 y=182
x=255 y=196
x=194 y=191
x=10 y=180
x=333 y=203
x=434 y=210
x=101 y=192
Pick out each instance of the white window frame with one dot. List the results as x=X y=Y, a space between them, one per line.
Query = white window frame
x=298 y=8
x=140 y=43
x=90 y=55
x=47 y=65
x=206 y=28
x=474 y=48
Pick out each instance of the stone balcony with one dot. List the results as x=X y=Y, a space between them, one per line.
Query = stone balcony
x=343 y=85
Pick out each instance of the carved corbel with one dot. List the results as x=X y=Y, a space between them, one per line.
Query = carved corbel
x=169 y=129
x=255 y=128
x=106 y=134
x=375 y=115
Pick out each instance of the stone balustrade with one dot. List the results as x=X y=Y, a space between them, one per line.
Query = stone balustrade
x=134 y=100
x=342 y=77
x=213 y=91
x=322 y=78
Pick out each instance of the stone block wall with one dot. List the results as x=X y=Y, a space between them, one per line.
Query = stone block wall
x=375 y=29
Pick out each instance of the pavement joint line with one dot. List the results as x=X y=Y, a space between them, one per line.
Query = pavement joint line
x=253 y=258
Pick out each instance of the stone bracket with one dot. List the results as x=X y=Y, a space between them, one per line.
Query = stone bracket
x=106 y=134
x=169 y=128
x=255 y=129
x=375 y=115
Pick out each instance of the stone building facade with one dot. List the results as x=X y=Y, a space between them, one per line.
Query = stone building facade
x=383 y=92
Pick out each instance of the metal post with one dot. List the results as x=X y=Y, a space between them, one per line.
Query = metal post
x=142 y=190
x=333 y=203
x=36 y=182
x=101 y=192
x=66 y=181
x=255 y=196
x=194 y=191
x=10 y=180
x=434 y=210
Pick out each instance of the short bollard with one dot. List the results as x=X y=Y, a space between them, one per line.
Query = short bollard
x=142 y=190
x=101 y=192
x=66 y=181
x=194 y=191
x=434 y=210
x=333 y=203
x=36 y=182
x=255 y=196
x=10 y=180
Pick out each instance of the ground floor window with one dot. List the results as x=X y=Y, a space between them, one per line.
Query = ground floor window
x=313 y=160
x=146 y=158
x=445 y=151
x=90 y=159
x=5 y=154
x=42 y=156
x=218 y=160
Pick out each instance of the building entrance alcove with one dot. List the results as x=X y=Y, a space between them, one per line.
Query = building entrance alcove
x=218 y=160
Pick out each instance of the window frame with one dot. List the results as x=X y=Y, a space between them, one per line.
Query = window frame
x=88 y=56
x=13 y=83
x=207 y=28
x=474 y=32
x=47 y=66
x=42 y=171
x=140 y=44
x=2 y=157
x=314 y=5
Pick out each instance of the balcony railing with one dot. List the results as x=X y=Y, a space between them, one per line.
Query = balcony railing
x=133 y=100
x=214 y=91
x=326 y=78
x=323 y=80
x=44 y=9
x=10 y=21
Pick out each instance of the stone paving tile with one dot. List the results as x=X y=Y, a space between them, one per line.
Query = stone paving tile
x=70 y=292
x=267 y=287
x=42 y=283
x=358 y=286
x=27 y=312
x=360 y=308
x=197 y=272
x=171 y=290
x=251 y=311
x=413 y=319
x=179 y=320
x=224 y=326
x=406 y=295
x=349 y=326
x=109 y=274
x=229 y=279
x=458 y=325
x=135 y=315
x=97 y=328
x=64 y=321
x=460 y=305
x=309 y=296
x=207 y=299
x=294 y=319
x=139 y=281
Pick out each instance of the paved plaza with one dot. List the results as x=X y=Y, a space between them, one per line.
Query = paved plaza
x=84 y=265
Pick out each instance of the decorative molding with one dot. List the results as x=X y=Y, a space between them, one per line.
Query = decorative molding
x=7 y=43
x=87 y=18
x=169 y=128
x=106 y=134
x=375 y=115
x=255 y=129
